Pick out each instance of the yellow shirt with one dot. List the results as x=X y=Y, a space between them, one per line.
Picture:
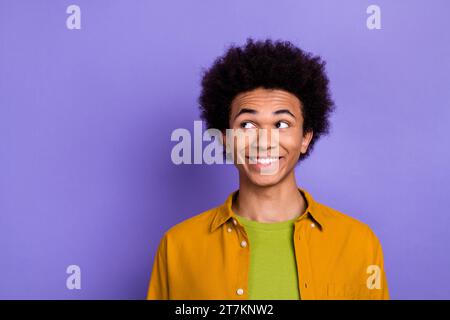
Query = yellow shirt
x=207 y=257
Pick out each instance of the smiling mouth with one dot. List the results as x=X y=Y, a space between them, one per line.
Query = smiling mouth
x=263 y=160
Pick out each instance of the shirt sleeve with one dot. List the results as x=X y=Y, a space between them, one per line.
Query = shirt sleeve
x=376 y=272
x=159 y=285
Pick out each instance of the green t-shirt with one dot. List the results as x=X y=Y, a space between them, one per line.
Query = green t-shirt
x=273 y=268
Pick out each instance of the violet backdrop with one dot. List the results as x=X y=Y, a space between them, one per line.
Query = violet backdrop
x=86 y=116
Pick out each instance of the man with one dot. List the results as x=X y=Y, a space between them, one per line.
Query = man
x=270 y=239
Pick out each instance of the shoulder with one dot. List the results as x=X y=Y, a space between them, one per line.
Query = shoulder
x=193 y=227
x=344 y=225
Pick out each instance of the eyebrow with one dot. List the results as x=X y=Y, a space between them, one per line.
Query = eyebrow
x=253 y=111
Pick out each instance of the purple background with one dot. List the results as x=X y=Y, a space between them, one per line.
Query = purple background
x=86 y=117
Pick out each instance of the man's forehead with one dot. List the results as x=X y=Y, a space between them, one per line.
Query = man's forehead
x=265 y=96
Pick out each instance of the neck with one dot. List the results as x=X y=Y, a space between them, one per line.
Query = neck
x=273 y=203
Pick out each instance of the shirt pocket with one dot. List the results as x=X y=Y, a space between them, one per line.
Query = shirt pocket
x=345 y=291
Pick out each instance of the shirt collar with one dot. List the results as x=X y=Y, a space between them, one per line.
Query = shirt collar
x=224 y=211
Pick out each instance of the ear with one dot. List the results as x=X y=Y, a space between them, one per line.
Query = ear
x=307 y=137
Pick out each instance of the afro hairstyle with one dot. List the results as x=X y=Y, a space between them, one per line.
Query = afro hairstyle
x=270 y=65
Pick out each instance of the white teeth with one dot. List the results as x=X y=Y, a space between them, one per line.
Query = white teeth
x=263 y=160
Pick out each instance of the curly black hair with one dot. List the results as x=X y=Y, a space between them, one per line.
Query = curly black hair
x=271 y=65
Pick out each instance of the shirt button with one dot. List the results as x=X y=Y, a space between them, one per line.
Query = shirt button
x=234 y=222
x=243 y=243
x=240 y=291
x=229 y=229
x=313 y=225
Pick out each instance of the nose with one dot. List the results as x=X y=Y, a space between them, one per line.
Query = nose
x=267 y=139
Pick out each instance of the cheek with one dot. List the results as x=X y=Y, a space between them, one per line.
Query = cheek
x=240 y=145
x=291 y=143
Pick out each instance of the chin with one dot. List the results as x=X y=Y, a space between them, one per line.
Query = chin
x=264 y=180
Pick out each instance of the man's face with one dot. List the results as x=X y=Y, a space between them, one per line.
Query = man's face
x=279 y=113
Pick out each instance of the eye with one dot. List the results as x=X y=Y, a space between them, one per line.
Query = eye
x=247 y=125
x=282 y=125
